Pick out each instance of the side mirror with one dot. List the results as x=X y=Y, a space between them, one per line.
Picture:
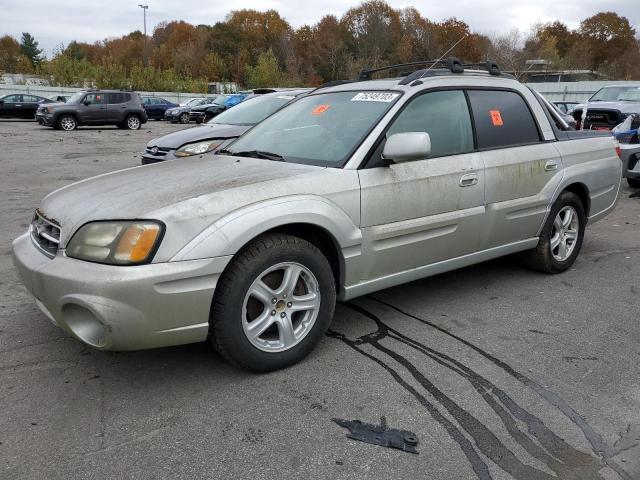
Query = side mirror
x=404 y=147
x=86 y=103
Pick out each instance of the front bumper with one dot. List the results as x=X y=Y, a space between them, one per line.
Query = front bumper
x=160 y=156
x=630 y=156
x=121 y=308
x=173 y=117
x=44 y=119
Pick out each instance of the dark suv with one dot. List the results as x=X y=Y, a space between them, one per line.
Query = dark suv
x=95 y=107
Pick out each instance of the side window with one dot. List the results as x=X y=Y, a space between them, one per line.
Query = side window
x=115 y=98
x=13 y=99
x=444 y=116
x=31 y=99
x=95 y=98
x=502 y=119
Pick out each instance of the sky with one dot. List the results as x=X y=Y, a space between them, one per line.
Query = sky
x=56 y=22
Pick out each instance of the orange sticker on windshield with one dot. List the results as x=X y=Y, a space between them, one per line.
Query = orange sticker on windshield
x=320 y=109
x=496 y=118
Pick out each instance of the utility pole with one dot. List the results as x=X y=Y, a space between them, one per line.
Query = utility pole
x=144 y=48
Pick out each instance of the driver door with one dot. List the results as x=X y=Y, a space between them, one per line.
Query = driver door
x=428 y=210
x=93 y=110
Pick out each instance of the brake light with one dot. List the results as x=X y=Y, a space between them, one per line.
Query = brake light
x=616 y=144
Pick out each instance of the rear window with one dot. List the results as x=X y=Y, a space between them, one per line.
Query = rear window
x=502 y=119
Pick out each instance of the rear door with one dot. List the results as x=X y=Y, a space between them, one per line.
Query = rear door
x=421 y=212
x=522 y=169
x=116 y=106
x=29 y=105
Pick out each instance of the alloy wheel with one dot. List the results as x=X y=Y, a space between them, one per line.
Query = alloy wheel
x=133 y=123
x=68 y=123
x=564 y=233
x=281 y=307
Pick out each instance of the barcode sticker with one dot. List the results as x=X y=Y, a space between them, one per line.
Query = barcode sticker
x=375 y=97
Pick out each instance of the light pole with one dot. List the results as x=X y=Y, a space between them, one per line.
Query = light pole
x=144 y=48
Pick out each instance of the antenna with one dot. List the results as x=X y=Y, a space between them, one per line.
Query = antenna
x=445 y=53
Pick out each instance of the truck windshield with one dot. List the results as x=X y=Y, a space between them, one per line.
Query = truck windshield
x=321 y=129
x=617 y=94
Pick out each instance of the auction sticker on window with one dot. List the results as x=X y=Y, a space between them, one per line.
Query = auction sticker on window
x=320 y=109
x=496 y=118
x=375 y=97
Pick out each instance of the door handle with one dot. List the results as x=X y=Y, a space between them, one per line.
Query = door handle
x=18 y=105
x=551 y=165
x=469 y=180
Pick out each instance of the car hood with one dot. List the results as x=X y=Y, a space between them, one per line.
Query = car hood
x=53 y=104
x=208 y=105
x=205 y=132
x=140 y=192
x=624 y=107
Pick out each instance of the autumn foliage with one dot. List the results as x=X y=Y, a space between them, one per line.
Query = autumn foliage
x=256 y=48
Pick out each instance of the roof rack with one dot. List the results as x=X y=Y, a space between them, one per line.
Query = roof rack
x=452 y=64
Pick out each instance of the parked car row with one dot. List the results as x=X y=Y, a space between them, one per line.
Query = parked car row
x=331 y=194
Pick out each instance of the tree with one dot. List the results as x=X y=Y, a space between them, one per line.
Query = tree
x=374 y=30
x=29 y=48
x=608 y=36
x=266 y=73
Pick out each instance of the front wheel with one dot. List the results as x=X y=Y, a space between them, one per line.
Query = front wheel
x=184 y=118
x=67 y=123
x=273 y=303
x=561 y=236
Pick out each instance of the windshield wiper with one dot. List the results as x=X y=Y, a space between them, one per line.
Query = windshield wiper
x=256 y=154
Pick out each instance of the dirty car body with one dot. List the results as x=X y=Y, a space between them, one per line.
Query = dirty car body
x=342 y=179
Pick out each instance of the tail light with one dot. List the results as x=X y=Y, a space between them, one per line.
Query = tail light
x=616 y=144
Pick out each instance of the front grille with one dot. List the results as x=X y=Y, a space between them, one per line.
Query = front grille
x=598 y=118
x=45 y=234
x=157 y=151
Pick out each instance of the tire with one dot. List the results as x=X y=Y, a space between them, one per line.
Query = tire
x=198 y=121
x=184 y=118
x=272 y=259
x=132 y=122
x=634 y=182
x=67 y=123
x=559 y=230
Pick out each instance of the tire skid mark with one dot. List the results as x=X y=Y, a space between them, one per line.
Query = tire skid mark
x=538 y=440
x=598 y=445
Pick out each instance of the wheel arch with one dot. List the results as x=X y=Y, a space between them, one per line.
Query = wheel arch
x=315 y=219
x=582 y=192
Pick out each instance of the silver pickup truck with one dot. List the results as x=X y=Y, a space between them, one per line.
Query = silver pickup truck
x=354 y=188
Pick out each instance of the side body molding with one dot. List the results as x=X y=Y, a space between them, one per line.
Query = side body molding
x=230 y=233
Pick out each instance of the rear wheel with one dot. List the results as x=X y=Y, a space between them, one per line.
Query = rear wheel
x=132 y=122
x=561 y=236
x=67 y=123
x=184 y=118
x=634 y=182
x=273 y=303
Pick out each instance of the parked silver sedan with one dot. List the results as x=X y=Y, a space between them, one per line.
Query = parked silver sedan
x=352 y=189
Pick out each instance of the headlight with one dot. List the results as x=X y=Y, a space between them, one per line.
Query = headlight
x=116 y=243
x=170 y=111
x=198 y=148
